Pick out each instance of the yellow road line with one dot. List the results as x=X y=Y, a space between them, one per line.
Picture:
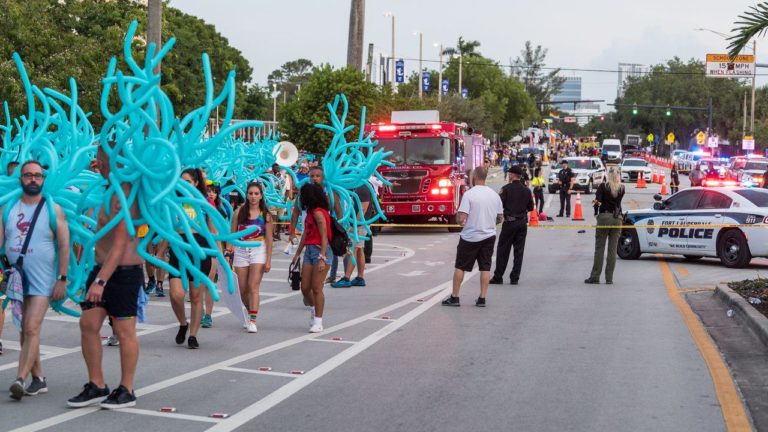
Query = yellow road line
x=682 y=271
x=734 y=414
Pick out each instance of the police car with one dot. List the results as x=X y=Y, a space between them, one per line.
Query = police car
x=631 y=168
x=589 y=172
x=689 y=223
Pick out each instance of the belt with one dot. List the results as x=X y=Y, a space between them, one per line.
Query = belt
x=123 y=268
x=514 y=218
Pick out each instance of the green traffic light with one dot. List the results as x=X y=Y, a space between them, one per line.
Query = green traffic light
x=634 y=111
x=669 y=113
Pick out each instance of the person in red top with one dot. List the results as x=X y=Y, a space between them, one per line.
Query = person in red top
x=316 y=238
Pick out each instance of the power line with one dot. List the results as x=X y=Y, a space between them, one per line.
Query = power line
x=565 y=69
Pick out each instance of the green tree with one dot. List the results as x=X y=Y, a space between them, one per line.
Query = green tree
x=290 y=77
x=299 y=116
x=750 y=24
x=463 y=48
x=529 y=69
x=58 y=39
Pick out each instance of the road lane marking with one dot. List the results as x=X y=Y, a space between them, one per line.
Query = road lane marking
x=258 y=372
x=333 y=341
x=682 y=271
x=74 y=414
x=695 y=290
x=734 y=414
x=288 y=390
x=170 y=415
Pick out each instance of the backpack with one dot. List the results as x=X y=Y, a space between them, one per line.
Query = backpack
x=339 y=238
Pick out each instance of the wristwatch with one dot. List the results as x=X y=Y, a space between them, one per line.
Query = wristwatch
x=100 y=282
x=62 y=278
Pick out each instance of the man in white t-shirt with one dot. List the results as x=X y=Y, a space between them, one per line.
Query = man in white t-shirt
x=479 y=212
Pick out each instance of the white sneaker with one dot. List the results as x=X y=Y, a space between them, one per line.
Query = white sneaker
x=316 y=328
x=252 y=327
x=113 y=341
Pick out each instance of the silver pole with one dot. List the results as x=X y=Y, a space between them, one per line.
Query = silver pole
x=274 y=103
x=421 y=89
x=752 y=111
x=392 y=76
x=440 y=76
x=460 y=61
x=744 y=126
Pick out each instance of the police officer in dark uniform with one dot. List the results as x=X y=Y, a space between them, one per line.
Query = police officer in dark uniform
x=517 y=201
x=567 y=179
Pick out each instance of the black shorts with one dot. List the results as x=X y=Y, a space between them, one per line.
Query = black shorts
x=121 y=293
x=205 y=264
x=469 y=252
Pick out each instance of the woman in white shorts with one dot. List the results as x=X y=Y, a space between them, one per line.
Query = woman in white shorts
x=252 y=262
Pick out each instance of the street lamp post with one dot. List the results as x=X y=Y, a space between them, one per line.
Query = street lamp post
x=460 y=61
x=392 y=63
x=421 y=45
x=274 y=102
x=440 y=74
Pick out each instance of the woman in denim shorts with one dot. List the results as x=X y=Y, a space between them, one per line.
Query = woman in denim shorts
x=316 y=238
x=252 y=262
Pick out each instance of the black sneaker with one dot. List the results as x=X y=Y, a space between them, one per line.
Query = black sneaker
x=591 y=281
x=513 y=281
x=480 y=302
x=192 y=343
x=37 y=386
x=17 y=389
x=182 y=334
x=1 y=348
x=496 y=281
x=451 y=301
x=609 y=282
x=119 y=398
x=159 y=291
x=89 y=396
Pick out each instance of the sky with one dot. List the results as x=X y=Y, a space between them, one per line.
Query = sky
x=584 y=34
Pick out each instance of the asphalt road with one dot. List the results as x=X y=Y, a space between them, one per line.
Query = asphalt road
x=550 y=354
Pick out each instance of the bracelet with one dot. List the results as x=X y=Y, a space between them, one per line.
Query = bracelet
x=321 y=257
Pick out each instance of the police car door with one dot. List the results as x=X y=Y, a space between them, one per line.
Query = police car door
x=670 y=221
x=711 y=210
x=599 y=172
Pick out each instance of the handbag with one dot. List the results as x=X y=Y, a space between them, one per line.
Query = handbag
x=294 y=275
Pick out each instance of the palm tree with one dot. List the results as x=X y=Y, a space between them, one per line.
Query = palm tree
x=355 y=41
x=465 y=48
x=750 y=24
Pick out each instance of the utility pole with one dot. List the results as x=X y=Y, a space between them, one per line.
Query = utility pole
x=155 y=26
x=274 y=102
x=369 y=64
x=460 y=61
x=356 y=34
x=744 y=126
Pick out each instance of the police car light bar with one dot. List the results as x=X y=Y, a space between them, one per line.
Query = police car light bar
x=719 y=183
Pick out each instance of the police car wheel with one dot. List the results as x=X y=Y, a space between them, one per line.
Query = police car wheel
x=629 y=245
x=733 y=249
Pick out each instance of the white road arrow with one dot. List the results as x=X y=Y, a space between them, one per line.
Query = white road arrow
x=413 y=273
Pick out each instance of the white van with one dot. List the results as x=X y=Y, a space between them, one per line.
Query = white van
x=611 y=151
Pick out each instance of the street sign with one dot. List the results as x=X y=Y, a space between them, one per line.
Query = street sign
x=425 y=83
x=748 y=143
x=649 y=138
x=725 y=66
x=700 y=138
x=569 y=120
x=444 y=87
x=464 y=93
x=713 y=142
x=671 y=138
x=399 y=71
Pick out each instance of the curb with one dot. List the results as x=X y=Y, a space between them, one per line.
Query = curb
x=756 y=321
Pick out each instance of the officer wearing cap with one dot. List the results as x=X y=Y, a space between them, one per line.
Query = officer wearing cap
x=567 y=180
x=517 y=201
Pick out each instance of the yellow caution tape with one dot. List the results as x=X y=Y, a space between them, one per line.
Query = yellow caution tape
x=546 y=226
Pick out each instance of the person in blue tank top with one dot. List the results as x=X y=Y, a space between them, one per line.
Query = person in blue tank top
x=46 y=279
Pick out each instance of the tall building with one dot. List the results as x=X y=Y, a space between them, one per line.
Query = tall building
x=570 y=91
x=627 y=70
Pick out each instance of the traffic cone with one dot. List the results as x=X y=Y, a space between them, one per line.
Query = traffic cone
x=545 y=159
x=641 y=181
x=533 y=219
x=578 y=215
x=663 y=186
x=655 y=178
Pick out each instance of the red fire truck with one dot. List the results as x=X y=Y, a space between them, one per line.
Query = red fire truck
x=428 y=177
